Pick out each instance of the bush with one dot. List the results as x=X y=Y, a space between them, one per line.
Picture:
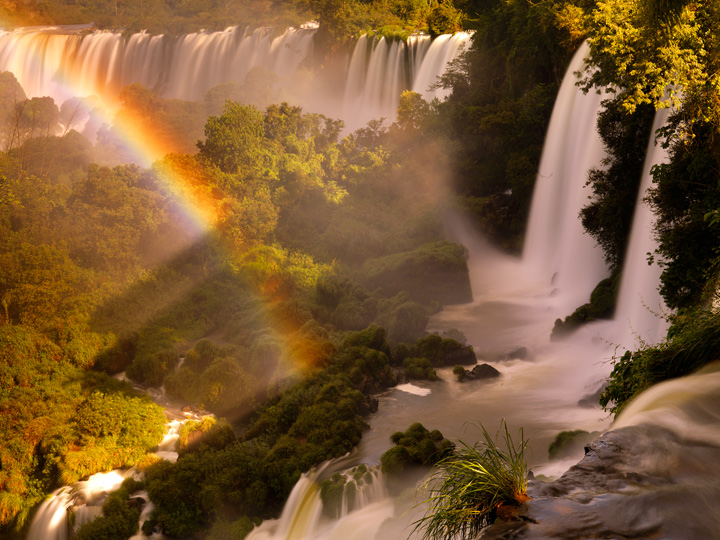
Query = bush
x=459 y=372
x=693 y=341
x=468 y=486
x=415 y=447
x=419 y=368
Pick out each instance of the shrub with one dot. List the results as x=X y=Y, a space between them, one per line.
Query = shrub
x=414 y=447
x=468 y=486
x=693 y=341
x=459 y=372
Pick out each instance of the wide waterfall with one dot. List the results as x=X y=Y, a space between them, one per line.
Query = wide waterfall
x=78 y=62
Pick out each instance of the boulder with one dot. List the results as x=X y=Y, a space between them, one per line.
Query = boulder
x=482 y=371
x=521 y=353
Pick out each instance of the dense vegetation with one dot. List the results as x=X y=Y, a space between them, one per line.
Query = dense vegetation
x=288 y=319
x=103 y=270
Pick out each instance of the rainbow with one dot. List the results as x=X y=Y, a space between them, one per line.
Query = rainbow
x=186 y=183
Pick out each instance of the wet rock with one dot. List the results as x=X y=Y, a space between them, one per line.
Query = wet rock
x=521 y=353
x=481 y=371
x=636 y=482
x=590 y=401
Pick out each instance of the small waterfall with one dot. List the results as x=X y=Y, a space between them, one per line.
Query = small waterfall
x=50 y=521
x=443 y=50
x=557 y=249
x=360 y=510
x=87 y=496
x=640 y=306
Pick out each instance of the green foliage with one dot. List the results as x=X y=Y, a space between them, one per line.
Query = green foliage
x=468 y=486
x=206 y=432
x=119 y=519
x=419 y=368
x=459 y=372
x=233 y=139
x=414 y=447
x=685 y=192
x=439 y=351
x=693 y=341
x=429 y=273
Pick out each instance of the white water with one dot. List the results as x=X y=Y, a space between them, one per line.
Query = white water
x=86 y=497
x=640 y=310
x=380 y=70
x=50 y=521
x=563 y=256
x=68 y=62
x=303 y=519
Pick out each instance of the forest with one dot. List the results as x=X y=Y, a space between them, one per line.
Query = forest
x=305 y=286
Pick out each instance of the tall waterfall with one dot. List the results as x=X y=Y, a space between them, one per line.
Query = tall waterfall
x=640 y=307
x=71 y=62
x=557 y=248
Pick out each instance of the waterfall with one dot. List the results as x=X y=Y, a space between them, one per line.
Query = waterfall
x=50 y=521
x=87 y=496
x=557 y=249
x=640 y=306
x=71 y=62
x=62 y=64
x=360 y=510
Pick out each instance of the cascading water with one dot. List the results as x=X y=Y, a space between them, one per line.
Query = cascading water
x=65 y=63
x=303 y=517
x=86 y=497
x=380 y=70
x=50 y=521
x=557 y=249
x=640 y=309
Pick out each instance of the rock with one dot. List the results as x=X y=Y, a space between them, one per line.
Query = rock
x=521 y=353
x=459 y=357
x=482 y=371
x=590 y=401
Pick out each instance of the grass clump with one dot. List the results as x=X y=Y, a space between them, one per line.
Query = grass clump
x=467 y=487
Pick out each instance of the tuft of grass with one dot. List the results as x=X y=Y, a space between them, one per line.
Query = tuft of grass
x=466 y=488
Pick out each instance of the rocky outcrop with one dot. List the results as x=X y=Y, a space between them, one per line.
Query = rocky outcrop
x=481 y=371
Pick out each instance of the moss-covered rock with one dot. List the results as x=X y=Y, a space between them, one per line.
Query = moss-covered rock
x=435 y=272
x=601 y=306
